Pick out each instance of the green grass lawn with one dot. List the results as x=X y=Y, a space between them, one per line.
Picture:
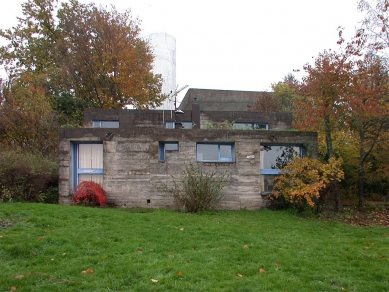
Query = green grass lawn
x=60 y=248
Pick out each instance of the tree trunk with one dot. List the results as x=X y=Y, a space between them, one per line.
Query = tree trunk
x=330 y=152
x=361 y=177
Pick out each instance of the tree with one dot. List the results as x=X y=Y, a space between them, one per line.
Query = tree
x=109 y=65
x=87 y=53
x=285 y=92
x=27 y=121
x=374 y=29
x=321 y=105
x=369 y=108
x=266 y=102
x=303 y=180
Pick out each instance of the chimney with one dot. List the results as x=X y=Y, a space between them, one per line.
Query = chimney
x=196 y=114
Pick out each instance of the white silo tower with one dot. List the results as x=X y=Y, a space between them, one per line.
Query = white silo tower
x=164 y=49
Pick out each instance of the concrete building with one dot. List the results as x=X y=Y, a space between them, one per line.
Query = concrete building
x=130 y=151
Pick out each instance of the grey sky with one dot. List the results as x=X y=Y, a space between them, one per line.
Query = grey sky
x=237 y=45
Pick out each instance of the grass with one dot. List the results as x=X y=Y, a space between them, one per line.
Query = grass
x=47 y=248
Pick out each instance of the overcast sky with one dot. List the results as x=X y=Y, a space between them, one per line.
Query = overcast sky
x=235 y=45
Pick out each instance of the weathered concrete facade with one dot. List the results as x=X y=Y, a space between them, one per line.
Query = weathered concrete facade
x=132 y=164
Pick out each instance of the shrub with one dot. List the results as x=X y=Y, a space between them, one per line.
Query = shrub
x=27 y=177
x=196 y=190
x=303 y=180
x=90 y=193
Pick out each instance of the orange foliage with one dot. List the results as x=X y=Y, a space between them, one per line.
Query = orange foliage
x=303 y=179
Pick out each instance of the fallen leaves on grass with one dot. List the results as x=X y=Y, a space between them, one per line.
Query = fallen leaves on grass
x=13 y=288
x=357 y=218
x=154 y=281
x=245 y=246
x=180 y=273
x=262 y=271
x=88 y=271
x=19 y=277
x=239 y=275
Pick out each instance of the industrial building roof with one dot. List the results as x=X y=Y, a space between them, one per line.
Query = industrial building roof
x=219 y=100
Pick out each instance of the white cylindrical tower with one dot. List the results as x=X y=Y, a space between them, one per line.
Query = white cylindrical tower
x=164 y=49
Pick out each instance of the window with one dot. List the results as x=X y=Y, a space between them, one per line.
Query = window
x=212 y=152
x=105 y=124
x=251 y=126
x=87 y=163
x=166 y=146
x=187 y=125
x=273 y=158
x=170 y=125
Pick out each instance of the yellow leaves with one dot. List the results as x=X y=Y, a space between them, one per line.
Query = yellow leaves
x=239 y=275
x=303 y=179
x=88 y=271
x=182 y=229
x=154 y=280
x=245 y=246
x=262 y=271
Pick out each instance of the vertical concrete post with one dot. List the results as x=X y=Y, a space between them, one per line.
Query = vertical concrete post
x=196 y=114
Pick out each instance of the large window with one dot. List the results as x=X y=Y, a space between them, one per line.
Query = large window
x=251 y=126
x=105 y=124
x=87 y=163
x=273 y=158
x=215 y=152
x=166 y=146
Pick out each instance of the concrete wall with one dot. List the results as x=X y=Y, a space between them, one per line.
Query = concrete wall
x=156 y=118
x=132 y=167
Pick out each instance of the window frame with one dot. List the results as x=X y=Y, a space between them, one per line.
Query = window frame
x=76 y=170
x=220 y=158
x=170 y=125
x=252 y=125
x=271 y=171
x=162 y=148
x=100 y=124
x=267 y=173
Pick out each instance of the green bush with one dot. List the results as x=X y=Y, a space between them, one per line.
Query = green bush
x=196 y=190
x=28 y=177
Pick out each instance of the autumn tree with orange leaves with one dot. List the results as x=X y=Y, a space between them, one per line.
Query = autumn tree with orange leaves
x=80 y=52
x=321 y=103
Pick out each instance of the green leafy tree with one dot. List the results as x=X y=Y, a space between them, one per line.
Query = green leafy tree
x=285 y=92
